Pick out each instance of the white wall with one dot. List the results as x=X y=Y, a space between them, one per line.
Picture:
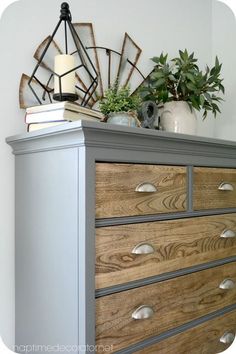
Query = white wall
x=155 y=25
x=223 y=44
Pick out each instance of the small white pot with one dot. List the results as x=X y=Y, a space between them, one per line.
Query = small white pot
x=177 y=117
x=122 y=118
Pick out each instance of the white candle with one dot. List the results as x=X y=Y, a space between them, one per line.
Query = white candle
x=62 y=64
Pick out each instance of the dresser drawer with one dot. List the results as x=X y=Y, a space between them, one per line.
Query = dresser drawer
x=207 y=338
x=130 y=252
x=168 y=304
x=214 y=188
x=136 y=189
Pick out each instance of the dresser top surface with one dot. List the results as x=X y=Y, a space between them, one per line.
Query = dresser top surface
x=108 y=129
x=108 y=142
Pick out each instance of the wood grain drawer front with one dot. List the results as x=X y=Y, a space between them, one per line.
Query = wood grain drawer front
x=130 y=252
x=207 y=338
x=214 y=188
x=120 y=190
x=168 y=304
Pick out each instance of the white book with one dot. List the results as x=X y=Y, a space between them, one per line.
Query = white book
x=60 y=111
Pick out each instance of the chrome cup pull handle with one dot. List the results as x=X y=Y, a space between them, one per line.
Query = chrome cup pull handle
x=143 y=248
x=228 y=234
x=227 y=284
x=227 y=338
x=143 y=312
x=146 y=187
x=226 y=186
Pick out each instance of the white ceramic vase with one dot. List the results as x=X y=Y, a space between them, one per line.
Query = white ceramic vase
x=177 y=117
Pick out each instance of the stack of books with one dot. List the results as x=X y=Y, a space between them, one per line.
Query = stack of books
x=44 y=116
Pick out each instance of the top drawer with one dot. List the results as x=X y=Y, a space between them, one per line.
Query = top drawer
x=135 y=189
x=214 y=188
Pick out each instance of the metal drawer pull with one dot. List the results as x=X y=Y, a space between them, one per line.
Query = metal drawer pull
x=227 y=284
x=228 y=234
x=143 y=248
x=142 y=312
x=227 y=338
x=145 y=187
x=225 y=186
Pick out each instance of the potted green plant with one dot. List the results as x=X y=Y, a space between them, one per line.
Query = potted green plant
x=180 y=87
x=119 y=107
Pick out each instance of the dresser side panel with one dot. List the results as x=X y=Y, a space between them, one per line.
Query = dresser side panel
x=46 y=249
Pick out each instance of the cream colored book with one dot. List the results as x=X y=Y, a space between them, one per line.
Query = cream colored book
x=37 y=126
x=60 y=111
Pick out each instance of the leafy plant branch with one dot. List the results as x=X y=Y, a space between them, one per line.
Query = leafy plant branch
x=180 y=79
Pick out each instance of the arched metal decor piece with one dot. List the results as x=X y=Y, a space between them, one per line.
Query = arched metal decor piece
x=129 y=51
x=86 y=33
x=26 y=99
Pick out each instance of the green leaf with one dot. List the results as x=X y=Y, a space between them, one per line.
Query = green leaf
x=184 y=55
x=172 y=78
x=190 y=77
x=163 y=58
x=216 y=108
x=192 y=56
x=211 y=79
x=181 y=55
x=204 y=114
x=183 y=88
x=159 y=82
x=194 y=102
x=156 y=60
x=212 y=72
x=215 y=98
x=208 y=97
x=163 y=96
x=190 y=86
x=166 y=69
x=222 y=89
x=157 y=75
x=202 y=100
x=211 y=89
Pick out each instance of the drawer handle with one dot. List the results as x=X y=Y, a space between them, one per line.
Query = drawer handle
x=143 y=312
x=227 y=338
x=228 y=234
x=146 y=187
x=227 y=284
x=225 y=186
x=143 y=248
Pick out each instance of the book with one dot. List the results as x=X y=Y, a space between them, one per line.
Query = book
x=37 y=126
x=61 y=111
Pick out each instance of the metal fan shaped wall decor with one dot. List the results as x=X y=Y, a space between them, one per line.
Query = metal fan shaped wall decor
x=94 y=69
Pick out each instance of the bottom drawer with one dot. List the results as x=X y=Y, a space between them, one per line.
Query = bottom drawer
x=207 y=338
x=128 y=317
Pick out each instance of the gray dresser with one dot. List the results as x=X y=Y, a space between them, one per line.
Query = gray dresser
x=125 y=241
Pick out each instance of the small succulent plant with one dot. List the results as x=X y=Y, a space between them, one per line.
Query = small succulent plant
x=119 y=100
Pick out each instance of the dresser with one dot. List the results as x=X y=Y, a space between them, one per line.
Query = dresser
x=125 y=241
